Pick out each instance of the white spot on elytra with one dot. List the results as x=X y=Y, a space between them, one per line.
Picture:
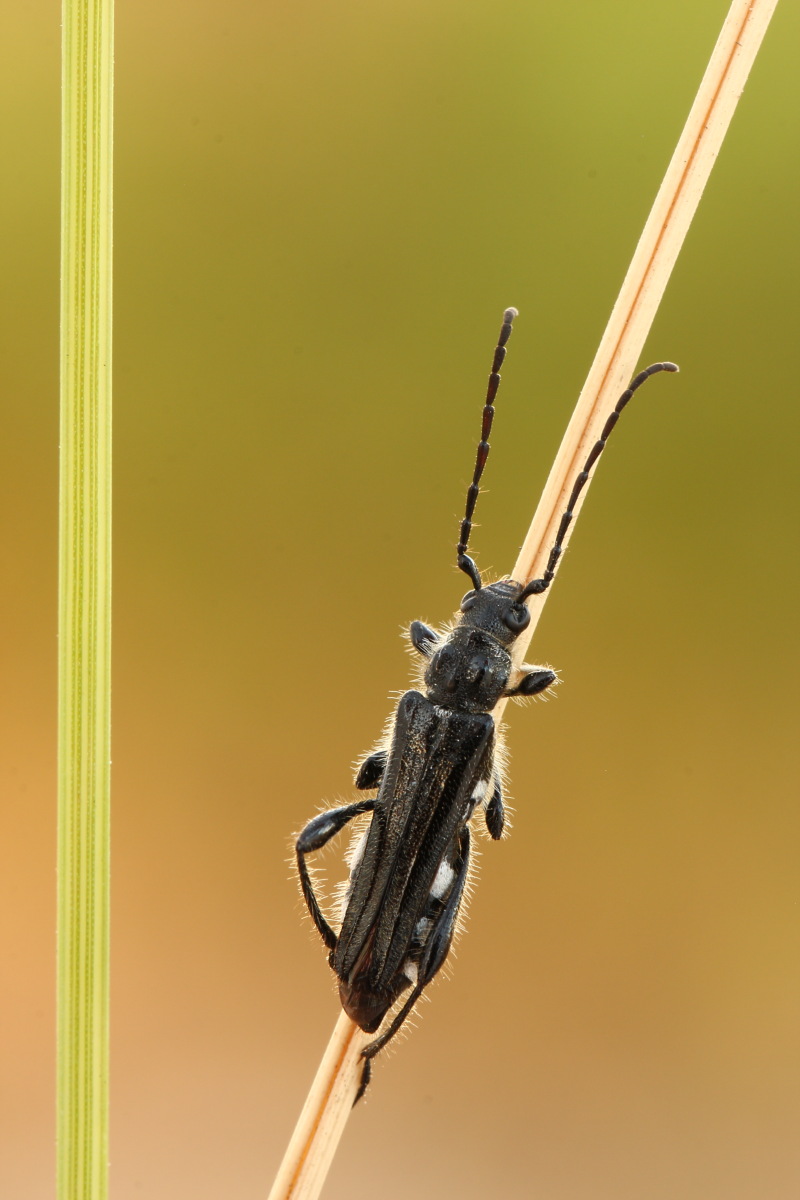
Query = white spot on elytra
x=444 y=877
x=411 y=971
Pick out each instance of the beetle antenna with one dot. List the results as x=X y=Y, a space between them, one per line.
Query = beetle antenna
x=537 y=586
x=465 y=563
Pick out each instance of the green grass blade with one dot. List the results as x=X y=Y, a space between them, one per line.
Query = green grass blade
x=84 y=600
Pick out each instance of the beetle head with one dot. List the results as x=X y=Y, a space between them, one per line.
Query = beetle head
x=496 y=609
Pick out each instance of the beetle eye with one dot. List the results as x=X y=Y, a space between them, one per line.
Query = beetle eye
x=468 y=601
x=518 y=618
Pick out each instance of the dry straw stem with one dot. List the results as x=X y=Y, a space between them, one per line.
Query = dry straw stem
x=647 y=277
x=84 y=659
x=313 y=1144
x=328 y=1105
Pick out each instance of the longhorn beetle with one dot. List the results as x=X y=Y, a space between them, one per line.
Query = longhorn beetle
x=436 y=764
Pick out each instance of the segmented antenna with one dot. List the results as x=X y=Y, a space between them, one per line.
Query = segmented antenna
x=537 y=586
x=465 y=563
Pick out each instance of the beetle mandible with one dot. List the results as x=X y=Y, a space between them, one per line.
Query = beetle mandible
x=436 y=765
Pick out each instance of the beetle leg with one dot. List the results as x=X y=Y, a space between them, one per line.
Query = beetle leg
x=488 y=791
x=370 y=773
x=495 y=811
x=423 y=638
x=317 y=833
x=532 y=681
x=434 y=954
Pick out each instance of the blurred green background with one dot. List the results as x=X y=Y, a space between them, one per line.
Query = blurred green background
x=321 y=212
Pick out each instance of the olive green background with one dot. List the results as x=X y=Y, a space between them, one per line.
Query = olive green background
x=321 y=212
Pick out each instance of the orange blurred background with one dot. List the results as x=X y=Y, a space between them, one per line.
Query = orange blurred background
x=321 y=212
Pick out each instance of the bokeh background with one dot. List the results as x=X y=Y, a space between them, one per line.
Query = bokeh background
x=321 y=212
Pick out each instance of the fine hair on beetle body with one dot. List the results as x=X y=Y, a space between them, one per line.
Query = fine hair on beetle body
x=435 y=775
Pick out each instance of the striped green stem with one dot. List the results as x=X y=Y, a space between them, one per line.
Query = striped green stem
x=84 y=600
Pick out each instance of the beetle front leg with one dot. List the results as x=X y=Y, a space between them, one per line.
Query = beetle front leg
x=317 y=833
x=423 y=638
x=532 y=681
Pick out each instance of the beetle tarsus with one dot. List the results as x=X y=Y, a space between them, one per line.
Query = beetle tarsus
x=366 y=1075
